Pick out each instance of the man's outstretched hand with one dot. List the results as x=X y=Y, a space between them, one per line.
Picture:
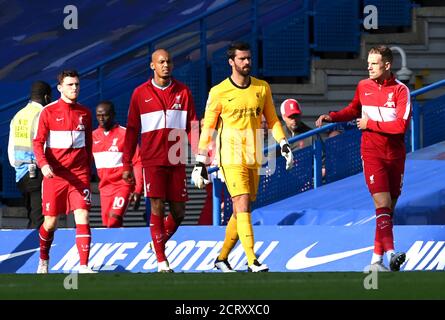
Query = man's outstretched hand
x=323 y=118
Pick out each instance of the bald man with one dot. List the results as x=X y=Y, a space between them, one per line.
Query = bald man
x=163 y=112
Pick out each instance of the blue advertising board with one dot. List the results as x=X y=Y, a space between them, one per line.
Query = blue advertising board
x=194 y=249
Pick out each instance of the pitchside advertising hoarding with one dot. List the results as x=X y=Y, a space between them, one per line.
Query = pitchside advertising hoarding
x=194 y=249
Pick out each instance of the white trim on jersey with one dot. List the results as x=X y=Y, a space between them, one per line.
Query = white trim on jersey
x=152 y=121
x=408 y=101
x=65 y=139
x=379 y=113
x=158 y=86
x=157 y=120
x=107 y=159
x=176 y=119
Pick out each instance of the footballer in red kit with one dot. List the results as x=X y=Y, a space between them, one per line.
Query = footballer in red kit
x=62 y=145
x=108 y=144
x=383 y=108
x=162 y=111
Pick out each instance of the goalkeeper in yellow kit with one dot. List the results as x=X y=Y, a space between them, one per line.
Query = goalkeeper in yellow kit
x=235 y=107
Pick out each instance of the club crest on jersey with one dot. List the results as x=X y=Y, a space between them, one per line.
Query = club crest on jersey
x=177 y=105
x=80 y=126
x=114 y=147
x=389 y=103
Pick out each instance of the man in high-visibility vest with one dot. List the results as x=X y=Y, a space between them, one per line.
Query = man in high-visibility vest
x=21 y=155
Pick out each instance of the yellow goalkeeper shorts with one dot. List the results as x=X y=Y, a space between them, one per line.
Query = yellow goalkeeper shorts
x=241 y=180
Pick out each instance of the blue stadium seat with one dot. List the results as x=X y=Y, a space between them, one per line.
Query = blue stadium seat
x=220 y=68
x=286 y=49
x=343 y=155
x=433 y=120
x=336 y=26
x=191 y=75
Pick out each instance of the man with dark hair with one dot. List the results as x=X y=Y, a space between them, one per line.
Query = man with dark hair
x=382 y=106
x=21 y=154
x=163 y=111
x=235 y=107
x=236 y=46
x=62 y=146
x=108 y=145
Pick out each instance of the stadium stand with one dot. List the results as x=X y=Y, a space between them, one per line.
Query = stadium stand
x=310 y=50
x=334 y=204
x=289 y=38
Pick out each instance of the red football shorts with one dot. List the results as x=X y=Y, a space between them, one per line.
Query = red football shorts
x=61 y=196
x=166 y=182
x=114 y=200
x=384 y=175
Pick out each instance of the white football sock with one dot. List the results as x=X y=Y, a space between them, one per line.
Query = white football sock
x=376 y=258
x=388 y=254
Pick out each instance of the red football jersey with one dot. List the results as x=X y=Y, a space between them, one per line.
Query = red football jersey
x=63 y=138
x=164 y=117
x=108 y=149
x=388 y=108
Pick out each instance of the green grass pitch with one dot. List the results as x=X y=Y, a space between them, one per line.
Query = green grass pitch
x=208 y=286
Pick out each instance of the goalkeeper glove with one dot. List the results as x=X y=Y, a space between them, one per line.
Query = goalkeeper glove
x=200 y=176
x=286 y=152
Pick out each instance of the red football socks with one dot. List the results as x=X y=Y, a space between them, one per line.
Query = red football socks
x=170 y=226
x=383 y=234
x=114 y=221
x=46 y=239
x=83 y=240
x=158 y=236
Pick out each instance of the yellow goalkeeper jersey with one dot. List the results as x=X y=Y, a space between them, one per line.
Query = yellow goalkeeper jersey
x=236 y=113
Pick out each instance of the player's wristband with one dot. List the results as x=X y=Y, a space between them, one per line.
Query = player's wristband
x=283 y=142
x=201 y=158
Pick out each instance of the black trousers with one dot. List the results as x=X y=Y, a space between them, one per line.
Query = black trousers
x=32 y=192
